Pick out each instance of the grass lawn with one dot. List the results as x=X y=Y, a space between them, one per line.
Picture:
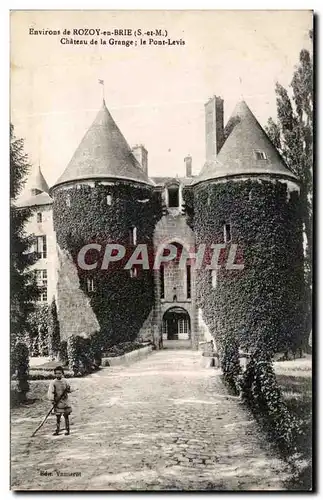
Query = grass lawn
x=295 y=380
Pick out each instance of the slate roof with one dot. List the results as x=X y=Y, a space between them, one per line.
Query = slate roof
x=34 y=201
x=244 y=136
x=36 y=181
x=102 y=154
x=161 y=181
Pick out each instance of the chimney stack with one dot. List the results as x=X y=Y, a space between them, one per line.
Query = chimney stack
x=188 y=165
x=141 y=154
x=214 y=128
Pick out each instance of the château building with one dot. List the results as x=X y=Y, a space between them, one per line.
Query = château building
x=106 y=190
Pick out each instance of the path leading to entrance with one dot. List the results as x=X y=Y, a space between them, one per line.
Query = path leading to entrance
x=163 y=423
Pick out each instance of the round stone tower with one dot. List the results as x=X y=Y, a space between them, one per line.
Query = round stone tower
x=104 y=197
x=246 y=199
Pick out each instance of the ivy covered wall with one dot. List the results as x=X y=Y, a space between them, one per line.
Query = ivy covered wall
x=261 y=305
x=82 y=215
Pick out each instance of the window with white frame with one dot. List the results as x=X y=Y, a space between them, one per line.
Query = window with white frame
x=109 y=199
x=39 y=217
x=41 y=279
x=90 y=285
x=68 y=200
x=41 y=247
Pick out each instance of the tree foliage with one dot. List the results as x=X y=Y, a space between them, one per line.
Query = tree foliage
x=292 y=135
x=53 y=331
x=23 y=289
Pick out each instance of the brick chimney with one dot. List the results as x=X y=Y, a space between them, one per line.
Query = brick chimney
x=214 y=133
x=141 y=154
x=188 y=165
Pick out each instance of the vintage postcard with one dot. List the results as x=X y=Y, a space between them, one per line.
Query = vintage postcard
x=161 y=250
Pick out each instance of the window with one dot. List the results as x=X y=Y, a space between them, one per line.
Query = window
x=183 y=326
x=90 y=284
x=39 y=217
x=35 y=192
x=133 y=272
x=214 y=278
x=260 y=155
x=188 y=281
x=133 y=236
x=41 y=247
x=173 y=196
x=227 y=232
x=162 y=282
x=109 y=199
x=164 y=329
x=41 y=278
x=68 y=200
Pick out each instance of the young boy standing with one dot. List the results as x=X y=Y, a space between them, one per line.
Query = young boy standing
x=58 y=394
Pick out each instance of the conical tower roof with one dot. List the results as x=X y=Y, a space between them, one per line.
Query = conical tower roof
x=37 y=181
x=102 y=154
x=36 y=192
x=238 y=156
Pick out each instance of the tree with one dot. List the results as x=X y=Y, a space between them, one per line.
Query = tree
x=23 y=287
x=53 y=331
x=292 y=135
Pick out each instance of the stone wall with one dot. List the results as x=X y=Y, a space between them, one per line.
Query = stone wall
x=172 y=228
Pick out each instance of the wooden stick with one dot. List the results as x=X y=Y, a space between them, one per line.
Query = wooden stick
x=50 y=411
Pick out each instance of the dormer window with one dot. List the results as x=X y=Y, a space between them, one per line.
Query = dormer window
x=173 y=196
x=260 y=155
x=227 y=232
x=109 y=199
x=35 y=191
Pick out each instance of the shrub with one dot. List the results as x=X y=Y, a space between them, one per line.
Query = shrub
x=53 y=331
x=84 y=355
x=73 y=354
x=20 y=368
x=230 y=365
x=63 y=356
x=262 y=393
x=38 y=330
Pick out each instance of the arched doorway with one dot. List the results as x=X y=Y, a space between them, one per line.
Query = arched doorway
x=176 y=324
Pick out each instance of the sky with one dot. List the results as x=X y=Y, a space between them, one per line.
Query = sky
x=156 y=94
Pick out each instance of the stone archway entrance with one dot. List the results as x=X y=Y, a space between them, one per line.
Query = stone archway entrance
x=176 y=328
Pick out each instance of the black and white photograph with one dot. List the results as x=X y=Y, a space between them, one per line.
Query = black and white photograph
x=161 y=241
